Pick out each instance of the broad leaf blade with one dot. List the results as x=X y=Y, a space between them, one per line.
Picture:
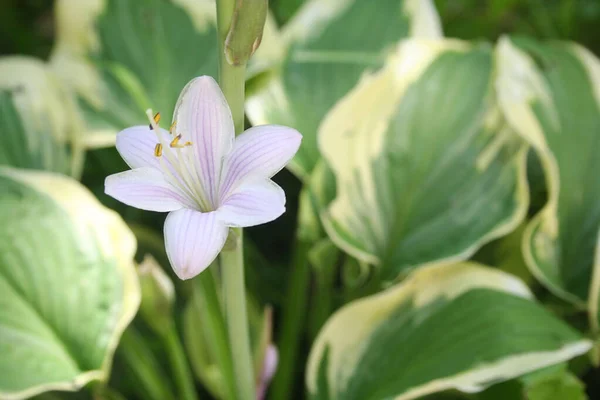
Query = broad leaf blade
x=39 y=123
x=138 y=54
x=421 y=154
x=328 y=50
x=444 y=327
x=67 y=280
x=550 y=93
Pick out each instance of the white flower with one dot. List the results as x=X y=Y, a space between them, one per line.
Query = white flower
x=206 y=178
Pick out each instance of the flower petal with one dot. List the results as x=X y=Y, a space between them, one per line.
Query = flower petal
x=145 y=188
x=259 y=152
x=193 y=240
x=253 y=204
x=203 y=117
x=136 y=146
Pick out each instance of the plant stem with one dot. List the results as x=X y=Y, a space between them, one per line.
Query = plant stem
x=232 y=81
x=179 y=365
x=142 y=363
x=294 y=317
x=218 y=331
x=232 y=269
x=231 y=78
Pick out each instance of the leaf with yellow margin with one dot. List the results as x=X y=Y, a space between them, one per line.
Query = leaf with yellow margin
x=68 y=284
x=321 y=54
x=460 y=326
x=426 y=167
x=550 y=93
x=124 y=56
x=40 y=125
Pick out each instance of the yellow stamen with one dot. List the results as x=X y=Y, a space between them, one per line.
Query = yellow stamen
x=153 y=120
x=158 y=150
x=172 y=128
x=175 y=142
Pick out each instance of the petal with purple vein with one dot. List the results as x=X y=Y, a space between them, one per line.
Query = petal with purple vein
x=193 y=240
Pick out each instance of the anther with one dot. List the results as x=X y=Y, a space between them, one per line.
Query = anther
x=172 y=128
x=153 y=119
x=175 y=142
x=158 y=150
x=156 y=120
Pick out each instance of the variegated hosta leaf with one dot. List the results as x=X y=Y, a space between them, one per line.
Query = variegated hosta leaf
x=67 y=280
x=39 y=122
x=426 y=166
x=323 y=51
x=550 y=93
x=462 y=326
x=124 y=56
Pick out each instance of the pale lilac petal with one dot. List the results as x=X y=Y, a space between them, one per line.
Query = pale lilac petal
x=253 y=204
x=259 y=152
x=203 y=117
x=136 y=146
x=193 y=240
x=268 y=370
x=146 y=189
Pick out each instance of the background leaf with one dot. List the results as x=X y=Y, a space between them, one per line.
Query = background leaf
x=124 y=56
x=39 y=122
x=460 y=326
x=67 y=280
x=426 y=167
x=558 y=111
x=323 y=59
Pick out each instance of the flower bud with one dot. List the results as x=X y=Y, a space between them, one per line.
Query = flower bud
x=246 y=30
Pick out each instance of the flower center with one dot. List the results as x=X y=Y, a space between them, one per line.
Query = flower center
x=179 y=165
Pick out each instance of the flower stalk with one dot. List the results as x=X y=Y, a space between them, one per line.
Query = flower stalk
x=211 y=178
x=232 y=82
x=179 y=364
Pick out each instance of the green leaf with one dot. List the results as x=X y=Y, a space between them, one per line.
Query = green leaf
x=124 y=56
x=505 y=253
x=327 y=46
x=142 y=369
x=562 y=385
x=67 y=280
x=421 y=154
x=551 y=95
x=461 y=326
x=39 y=122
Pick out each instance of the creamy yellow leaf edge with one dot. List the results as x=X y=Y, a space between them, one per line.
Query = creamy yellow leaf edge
x=345 y=338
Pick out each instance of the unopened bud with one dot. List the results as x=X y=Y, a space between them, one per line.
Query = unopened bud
x=246 y=30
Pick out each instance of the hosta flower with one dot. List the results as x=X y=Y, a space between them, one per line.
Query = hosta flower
x=206 y=178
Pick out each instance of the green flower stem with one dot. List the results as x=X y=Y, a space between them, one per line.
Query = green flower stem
x=207 y=289
x=179 y=365
x=232 y=81
x=232 y=269
x=294 y=318
x=143 y=365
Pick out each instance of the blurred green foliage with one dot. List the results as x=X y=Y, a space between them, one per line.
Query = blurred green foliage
x=26 y=27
